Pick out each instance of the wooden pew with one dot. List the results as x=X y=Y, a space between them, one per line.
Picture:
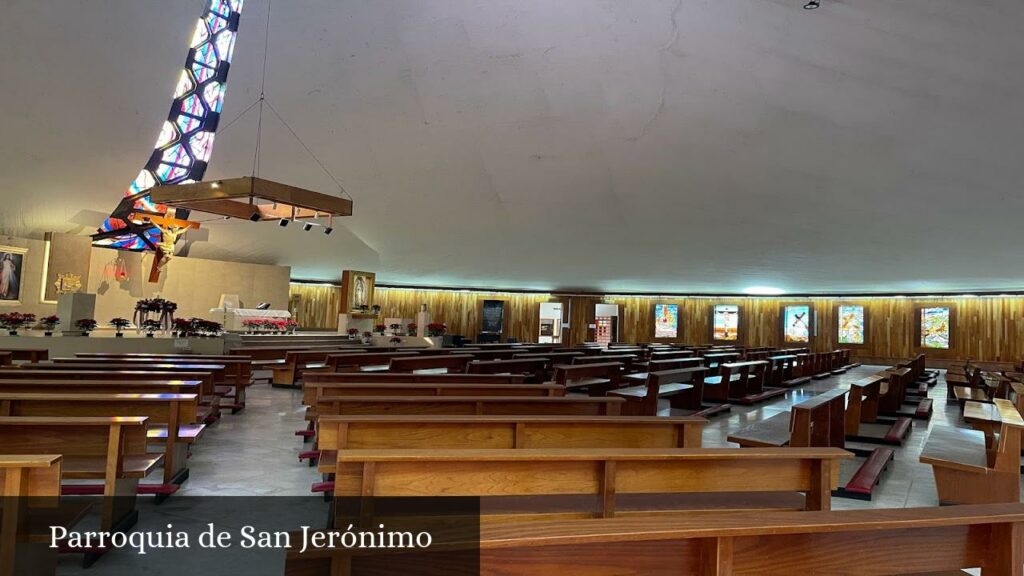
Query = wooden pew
x=214 y=372
x=23 y=477
x=317 y=379
x=363 y=361
x=286 y=374
x=93 y=448
x=101 y=386
x=713 y=359
x=336 y=389
x=6 y=358
x=597 y=378
x=31 y=355
x=172 y=422
x=554 y=357
x=238 y=369
x=468 y=405
x=535 y=369
x=779 y=370
x=629 y=361
x=499 y=432
x=970 y=470
x=624 y=480
x=894 y=396
x=683 y=387
x=640 y=378
x=863 y=407
x=78 y=365
x=269 y=356
x=491 y=354
x=225 y=382
x=741 y=383
x=852 y=542
x=819 y=422
x=209 y=402
x=440 y=363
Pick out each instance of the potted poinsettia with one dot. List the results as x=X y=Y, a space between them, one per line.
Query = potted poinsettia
x=437 y=329
x=182 y=327
x=119 y=325
x=410 y=329
x=396 y=340
x=352 y=333
x=367 y=337
x=85 y=325
x=48 y=323
x=11 y=321
x=380 y=328
x=291 y=325
x=211 y=328
x=395 y=328
x=151 y=326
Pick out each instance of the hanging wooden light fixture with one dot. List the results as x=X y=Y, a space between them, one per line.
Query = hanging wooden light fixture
x=255 y=199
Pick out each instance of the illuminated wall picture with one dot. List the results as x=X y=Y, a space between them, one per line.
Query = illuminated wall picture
x=666 y=320
x=796 y=327
x=935 y=327
x=726 y=322
x=851 y=324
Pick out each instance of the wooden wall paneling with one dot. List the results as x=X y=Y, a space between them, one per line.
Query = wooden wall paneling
x=984 y=328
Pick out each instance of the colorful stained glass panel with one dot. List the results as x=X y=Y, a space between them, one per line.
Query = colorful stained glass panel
x=935 y=327
x=851 y=324
x=796 y=328
x=726 y=321
x=666 y=320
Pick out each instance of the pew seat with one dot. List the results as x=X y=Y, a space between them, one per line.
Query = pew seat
x=853 y=542
x=610 y=474
x=972 y=469
x=773 y=431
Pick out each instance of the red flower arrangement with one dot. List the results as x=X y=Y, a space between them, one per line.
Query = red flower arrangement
x=15 y=320
x=437 y=328
x=86 y=325
x=411 y=328
x=48 y=323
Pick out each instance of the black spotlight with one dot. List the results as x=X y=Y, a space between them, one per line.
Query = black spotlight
x=255 y=217
x=328 y=230
x=283 y=222
x=307 y=227
x=812 y=4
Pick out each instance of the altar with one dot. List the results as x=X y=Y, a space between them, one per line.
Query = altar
x=233 y=318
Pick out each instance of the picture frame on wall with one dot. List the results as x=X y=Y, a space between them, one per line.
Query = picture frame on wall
x=725 y=323
x=12 y=274
x=934 y=326
x=666 y=321
x=852 y=322
x=357 y=292
x=797 y=324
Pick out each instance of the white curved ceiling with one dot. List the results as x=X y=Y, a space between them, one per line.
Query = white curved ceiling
x=622 y=145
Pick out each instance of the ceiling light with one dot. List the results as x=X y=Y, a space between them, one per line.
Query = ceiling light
x=328 y=230
x=283 y=222
x=763 y=291
x=307 y=227
x=812 y=4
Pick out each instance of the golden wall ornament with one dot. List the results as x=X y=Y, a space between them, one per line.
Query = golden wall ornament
x=67 y=283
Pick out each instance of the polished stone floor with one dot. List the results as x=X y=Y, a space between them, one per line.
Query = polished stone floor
x=254 y=454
